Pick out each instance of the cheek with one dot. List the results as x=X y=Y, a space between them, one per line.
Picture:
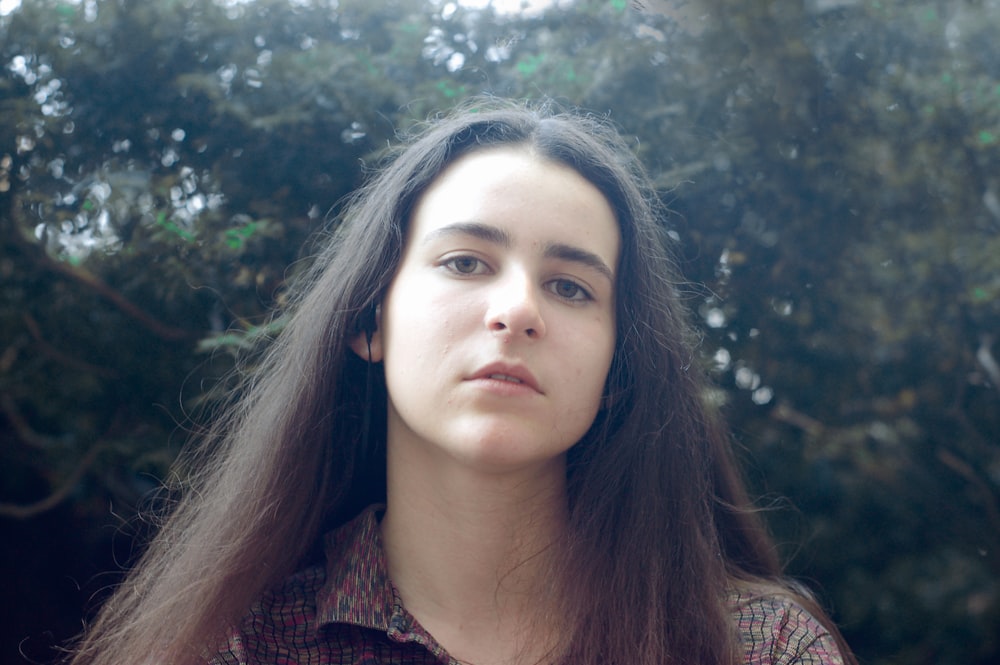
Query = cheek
x=420 y=326
x=592 y=353
x=603 y=343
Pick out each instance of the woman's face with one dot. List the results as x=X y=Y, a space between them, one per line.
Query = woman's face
x=498 y=329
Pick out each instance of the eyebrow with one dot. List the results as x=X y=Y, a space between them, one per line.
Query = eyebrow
x=491 y=234
x=501 y=238
x=582 y=256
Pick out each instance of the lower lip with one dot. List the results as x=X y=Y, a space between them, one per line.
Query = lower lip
x=504 y=388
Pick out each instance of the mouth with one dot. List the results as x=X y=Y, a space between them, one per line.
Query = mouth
x=508 y=373
x=505 y=377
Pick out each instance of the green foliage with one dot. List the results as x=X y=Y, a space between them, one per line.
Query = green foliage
x=165 y=168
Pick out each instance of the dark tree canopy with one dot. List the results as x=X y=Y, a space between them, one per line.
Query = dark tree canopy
x=834 y=171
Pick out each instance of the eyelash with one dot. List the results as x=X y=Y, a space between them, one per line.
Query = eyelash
x=580 y=294
x=452 y=263
x=584 y=294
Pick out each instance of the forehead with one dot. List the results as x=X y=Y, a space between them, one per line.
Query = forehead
x=492 y=166
x=512 y=184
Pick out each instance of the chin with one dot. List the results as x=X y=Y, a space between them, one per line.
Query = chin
x=503 y=459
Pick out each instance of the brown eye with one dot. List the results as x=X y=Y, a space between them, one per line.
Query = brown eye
x=465 y=265
x=569 y=290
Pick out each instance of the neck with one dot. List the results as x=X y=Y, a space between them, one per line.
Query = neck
x=470 y=553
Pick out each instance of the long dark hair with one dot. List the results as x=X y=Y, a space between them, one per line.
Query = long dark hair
x=660 y=526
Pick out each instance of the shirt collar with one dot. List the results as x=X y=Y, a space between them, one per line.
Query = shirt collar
x=357 y=589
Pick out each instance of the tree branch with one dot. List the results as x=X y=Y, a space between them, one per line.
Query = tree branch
x=25 y=432
x=93 y=282
x=979 y=486
x=54 y=353
x=26 y=511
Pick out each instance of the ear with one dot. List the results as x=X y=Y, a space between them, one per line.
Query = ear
x=359 y=345
x=360 y=342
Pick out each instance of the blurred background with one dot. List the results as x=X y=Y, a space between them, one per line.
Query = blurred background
x=833 y=168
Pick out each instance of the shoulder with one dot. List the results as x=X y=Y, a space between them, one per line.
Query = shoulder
x=776 y=629
x=282 y=618
x=317 y=614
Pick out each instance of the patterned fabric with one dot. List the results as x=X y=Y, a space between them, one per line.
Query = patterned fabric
x=349 y=613
x=778 y=631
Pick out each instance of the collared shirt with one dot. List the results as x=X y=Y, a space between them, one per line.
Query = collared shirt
x=349 y=613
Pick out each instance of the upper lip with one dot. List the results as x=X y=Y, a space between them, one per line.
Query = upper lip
x=514 y=371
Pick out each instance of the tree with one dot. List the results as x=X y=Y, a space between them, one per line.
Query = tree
x=166 y=168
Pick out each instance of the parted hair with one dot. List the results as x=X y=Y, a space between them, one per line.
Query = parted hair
x=661 y=529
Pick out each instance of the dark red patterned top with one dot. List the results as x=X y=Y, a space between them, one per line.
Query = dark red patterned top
x=349 y=613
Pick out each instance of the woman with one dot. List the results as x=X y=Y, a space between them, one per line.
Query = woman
x=486 y=399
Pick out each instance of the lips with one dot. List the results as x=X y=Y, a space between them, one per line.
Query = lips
x=504 y=377
x=514 y=374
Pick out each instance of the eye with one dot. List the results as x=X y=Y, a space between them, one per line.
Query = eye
x=465 y=265
x=569 y=290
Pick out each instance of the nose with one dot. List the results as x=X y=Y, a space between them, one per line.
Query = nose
x=514 y=308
